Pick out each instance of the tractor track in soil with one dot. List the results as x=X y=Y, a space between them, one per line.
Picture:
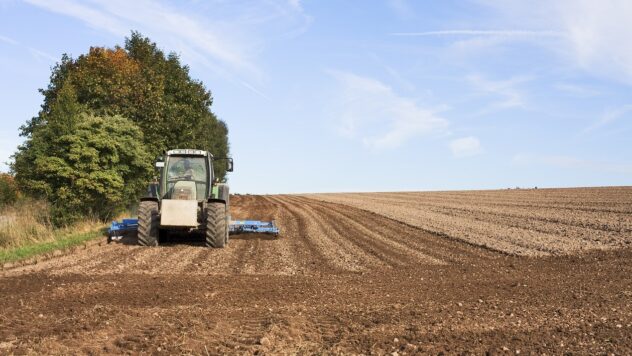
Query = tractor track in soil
x=338 y=280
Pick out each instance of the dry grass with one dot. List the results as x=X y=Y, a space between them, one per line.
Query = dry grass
x=24 y=223
x=28 y=222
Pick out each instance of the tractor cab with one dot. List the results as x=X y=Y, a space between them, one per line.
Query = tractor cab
x=187 y=176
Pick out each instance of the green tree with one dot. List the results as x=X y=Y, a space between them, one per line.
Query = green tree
x=60 y=118
x=102 y=168
x=141 y=83
x=72 y=156
x=182 y=116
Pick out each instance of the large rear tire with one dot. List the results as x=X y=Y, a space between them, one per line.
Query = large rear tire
x=148 y=223
x=216 y=225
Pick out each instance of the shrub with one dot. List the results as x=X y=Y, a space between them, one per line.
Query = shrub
x=93 y=171
x=8 y=190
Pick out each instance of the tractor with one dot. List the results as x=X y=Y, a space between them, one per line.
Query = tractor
x=187 y=197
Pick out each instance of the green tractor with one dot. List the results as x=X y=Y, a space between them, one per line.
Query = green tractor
x=186 y=198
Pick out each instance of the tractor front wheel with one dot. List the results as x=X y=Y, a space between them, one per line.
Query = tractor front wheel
x=148 y=223
x=216 y=225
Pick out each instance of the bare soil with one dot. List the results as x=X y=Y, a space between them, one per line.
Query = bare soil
x=338 y=279
x=529 y=222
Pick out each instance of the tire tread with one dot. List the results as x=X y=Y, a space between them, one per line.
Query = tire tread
x=216 y=225
x=148 y=223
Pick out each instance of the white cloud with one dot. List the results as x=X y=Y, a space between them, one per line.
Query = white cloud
x=506 y=92
x=592 y=35
x=465 y=147
x=581 y=91
x=119 y=17
x=8 y=40
x=464 y=42
x=608 y=117
x=371 y=111
x=36 y=53
x=516 y=34
x=595 y=34
x=296 y=4
x=227 y=43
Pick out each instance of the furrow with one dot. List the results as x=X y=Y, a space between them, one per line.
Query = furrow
x=338 y=252
x=375 y=243
x=309 y=257
x=427 y=247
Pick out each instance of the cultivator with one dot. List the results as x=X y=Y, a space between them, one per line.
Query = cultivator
x=118 y=229
x=253 y=226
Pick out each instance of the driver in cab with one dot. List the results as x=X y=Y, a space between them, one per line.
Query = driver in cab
x=182 y=170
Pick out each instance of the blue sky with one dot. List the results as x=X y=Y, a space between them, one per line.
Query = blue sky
x=326 y=96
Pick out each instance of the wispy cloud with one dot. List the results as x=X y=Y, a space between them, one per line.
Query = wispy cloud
x=581 y=91
x=506 y=93
x=296 y=4
x=118 y=17
x=373 y=112
x=398 y=78
x=494 y=33
x=8 y=40
x=227 y=46
x=465 y=147
x=36 y=53
x=590 y=35
x=475 y=41
x=595 y=33
x=608 y=117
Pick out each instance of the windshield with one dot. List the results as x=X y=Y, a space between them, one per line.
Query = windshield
x=189 y=169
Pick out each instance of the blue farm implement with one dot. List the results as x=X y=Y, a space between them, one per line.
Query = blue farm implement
x=253 y=226
x=118 y=229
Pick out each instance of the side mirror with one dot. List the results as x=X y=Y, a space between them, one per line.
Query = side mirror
x=229 y=163
x=160 y=164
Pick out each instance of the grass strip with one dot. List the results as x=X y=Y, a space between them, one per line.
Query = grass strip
x=60 y=243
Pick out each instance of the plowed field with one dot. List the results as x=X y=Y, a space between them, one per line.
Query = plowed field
x=348 y=275
x=528 y=222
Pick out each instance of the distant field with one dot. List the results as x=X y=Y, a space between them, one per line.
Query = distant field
x=529 y=222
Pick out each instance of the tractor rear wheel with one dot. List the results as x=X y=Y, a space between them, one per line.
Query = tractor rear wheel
x=216 y=225
x=148 y=223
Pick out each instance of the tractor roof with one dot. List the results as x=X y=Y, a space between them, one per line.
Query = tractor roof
x=188 y=152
